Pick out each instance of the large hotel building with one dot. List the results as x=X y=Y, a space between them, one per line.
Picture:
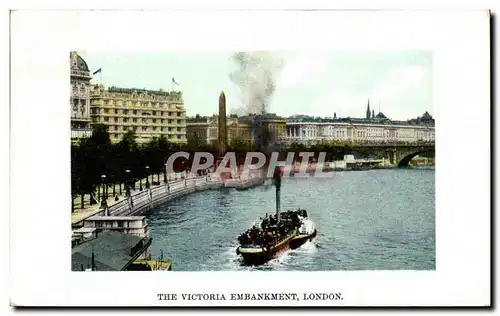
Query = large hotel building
x=149 y=113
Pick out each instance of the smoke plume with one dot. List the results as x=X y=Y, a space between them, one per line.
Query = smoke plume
x=256 y=75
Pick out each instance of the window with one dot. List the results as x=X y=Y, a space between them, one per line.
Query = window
x=125 y=119
x=135 y=112
x=134 y=120
x=116 y=128
x=106 y=111
x=154 y=113
x=125 y=111
x=116 y=111
x=116 y=119
x=154 y=128
x=154 y=120
x=106 y=119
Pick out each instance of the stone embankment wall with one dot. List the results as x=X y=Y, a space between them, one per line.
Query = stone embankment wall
x=149 y=198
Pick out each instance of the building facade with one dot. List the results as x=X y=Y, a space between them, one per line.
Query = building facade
x=197 y=131
x=205 y=131
x=149 y=113
x=267 y=128
x=80 y=97
x=131 y=225
x=377 y=129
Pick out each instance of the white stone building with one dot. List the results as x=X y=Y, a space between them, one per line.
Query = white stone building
x=80 y=96
x=360 y=130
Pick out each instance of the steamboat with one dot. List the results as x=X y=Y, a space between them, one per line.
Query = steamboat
x=273 y=235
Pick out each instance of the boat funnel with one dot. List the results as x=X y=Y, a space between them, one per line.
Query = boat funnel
x=277 y=183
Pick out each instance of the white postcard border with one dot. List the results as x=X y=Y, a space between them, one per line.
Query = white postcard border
x=40 y=180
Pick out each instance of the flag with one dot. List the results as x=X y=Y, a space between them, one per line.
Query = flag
x=97 y=71
x=173 y=81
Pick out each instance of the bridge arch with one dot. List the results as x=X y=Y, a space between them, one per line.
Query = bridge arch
x=408 y=157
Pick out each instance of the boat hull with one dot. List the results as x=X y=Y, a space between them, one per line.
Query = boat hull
x=302 y=239
x=260 y=256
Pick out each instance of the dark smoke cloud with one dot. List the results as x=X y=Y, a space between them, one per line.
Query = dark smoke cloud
x=256 y=75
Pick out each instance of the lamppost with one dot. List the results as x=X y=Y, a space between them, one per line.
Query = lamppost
x=127 y=182
x=98 y=193
x=140 y=184
x=147 y=177
x=104 y=193
x=114 y=190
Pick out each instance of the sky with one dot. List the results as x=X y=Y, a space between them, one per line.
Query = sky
x=321 y=83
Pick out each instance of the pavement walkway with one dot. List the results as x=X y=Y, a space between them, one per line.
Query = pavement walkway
x=88 y=210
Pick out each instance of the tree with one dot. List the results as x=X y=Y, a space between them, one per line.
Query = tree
x=95 y=152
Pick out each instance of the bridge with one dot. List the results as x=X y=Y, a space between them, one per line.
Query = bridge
x=398 y=153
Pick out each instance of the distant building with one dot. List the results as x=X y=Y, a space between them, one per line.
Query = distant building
x=80 y=97
x=150 y=113
x=376 y=128
x=267 y=129
x=197 y=131
x=205 y=131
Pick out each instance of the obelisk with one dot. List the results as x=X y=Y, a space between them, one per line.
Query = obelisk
x=222 y=124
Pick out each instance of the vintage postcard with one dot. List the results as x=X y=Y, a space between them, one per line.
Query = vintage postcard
x=277 y=173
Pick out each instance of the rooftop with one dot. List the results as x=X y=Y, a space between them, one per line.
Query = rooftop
x=380 y=118
x=137 y=90
x=78 y=63
x=85 y=230
x=115 y=218
x=112 y=251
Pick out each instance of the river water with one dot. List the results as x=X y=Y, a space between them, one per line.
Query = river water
x=366 y=220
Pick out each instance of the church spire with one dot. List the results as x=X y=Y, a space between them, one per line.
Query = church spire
x=368 y=112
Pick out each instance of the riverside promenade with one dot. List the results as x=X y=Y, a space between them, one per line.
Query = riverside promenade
x=141 y=201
